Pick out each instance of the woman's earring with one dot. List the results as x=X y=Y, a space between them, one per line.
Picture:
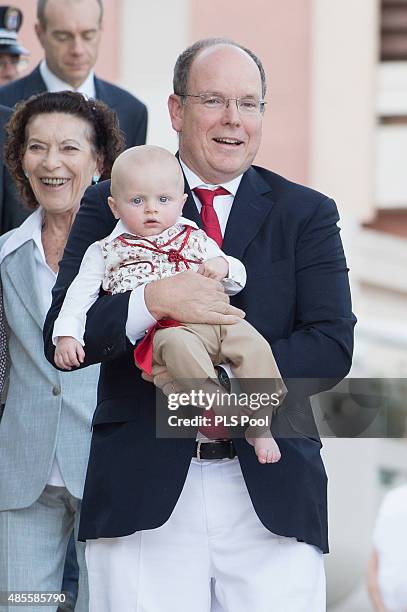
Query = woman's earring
x=26 y=174
x=95 y=178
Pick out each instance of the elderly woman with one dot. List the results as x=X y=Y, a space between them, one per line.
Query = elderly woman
x=58 y=143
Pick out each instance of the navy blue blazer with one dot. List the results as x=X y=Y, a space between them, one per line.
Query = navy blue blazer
x=131 y=112
x=12 y=212
x=297 y=295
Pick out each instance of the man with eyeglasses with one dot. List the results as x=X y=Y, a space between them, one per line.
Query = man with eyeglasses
x=166 y=520
x=70 y=31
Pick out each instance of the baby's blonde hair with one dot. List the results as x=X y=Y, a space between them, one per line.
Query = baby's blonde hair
x=139 y=156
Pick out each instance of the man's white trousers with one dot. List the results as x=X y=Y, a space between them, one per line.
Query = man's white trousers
x=213 y=536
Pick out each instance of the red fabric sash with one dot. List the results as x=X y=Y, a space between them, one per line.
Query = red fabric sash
x=143 y=353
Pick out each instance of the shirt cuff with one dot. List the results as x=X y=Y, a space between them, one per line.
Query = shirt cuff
x=236 y=278
x=139 y=318
x=69 y=326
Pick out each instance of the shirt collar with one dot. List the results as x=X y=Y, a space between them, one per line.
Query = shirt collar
x=29 y=230
x=54 y=83
x=120 y=228
x=193 y=181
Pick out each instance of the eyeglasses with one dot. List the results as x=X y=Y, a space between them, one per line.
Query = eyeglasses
x=245 y=106
x=19 y=62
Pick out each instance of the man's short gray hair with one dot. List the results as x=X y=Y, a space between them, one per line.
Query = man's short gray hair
x=41 y=4
x=184 y=62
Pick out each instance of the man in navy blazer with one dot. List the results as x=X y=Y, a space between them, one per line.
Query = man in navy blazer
x=69 y=32
x=12 y=212
x=191 y=520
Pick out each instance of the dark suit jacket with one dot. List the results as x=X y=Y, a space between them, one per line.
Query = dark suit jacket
x=131 y=112
x=297 y=296
x=12 y=212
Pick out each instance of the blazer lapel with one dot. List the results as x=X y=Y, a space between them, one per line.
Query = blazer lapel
x=251 y=206
x=190 y=210
x=102 y=93
x=20 y=269
x=33 y=83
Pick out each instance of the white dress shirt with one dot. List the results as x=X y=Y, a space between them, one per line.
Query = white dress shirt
x=84 y=290
x=54 y=83
x=44 y=281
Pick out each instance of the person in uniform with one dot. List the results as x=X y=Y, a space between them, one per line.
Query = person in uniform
x=13 y=57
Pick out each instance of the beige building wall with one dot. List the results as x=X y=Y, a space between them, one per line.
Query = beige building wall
x=151 y=39
x=344 y=60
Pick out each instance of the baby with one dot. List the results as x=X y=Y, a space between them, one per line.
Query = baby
x=152 y=241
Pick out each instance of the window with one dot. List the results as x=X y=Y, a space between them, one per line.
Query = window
x=393 y=45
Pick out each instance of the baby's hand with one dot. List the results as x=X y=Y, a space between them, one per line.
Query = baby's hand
x=216 y=268
x=68 y=353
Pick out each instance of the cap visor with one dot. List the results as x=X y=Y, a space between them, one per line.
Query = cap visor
x=14 y=50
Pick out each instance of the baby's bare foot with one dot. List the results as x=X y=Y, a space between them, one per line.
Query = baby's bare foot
x=266 y=449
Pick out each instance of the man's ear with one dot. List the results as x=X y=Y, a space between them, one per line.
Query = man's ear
x=176 y=109
x=39 y=32
x=113 y=207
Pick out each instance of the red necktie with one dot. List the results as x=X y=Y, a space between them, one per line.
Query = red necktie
x=210 y=221
x=210 y=224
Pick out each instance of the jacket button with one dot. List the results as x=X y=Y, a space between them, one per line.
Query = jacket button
x=56 y=390
x=107 y=350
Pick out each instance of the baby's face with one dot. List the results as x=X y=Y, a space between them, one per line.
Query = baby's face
x=149 y=198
